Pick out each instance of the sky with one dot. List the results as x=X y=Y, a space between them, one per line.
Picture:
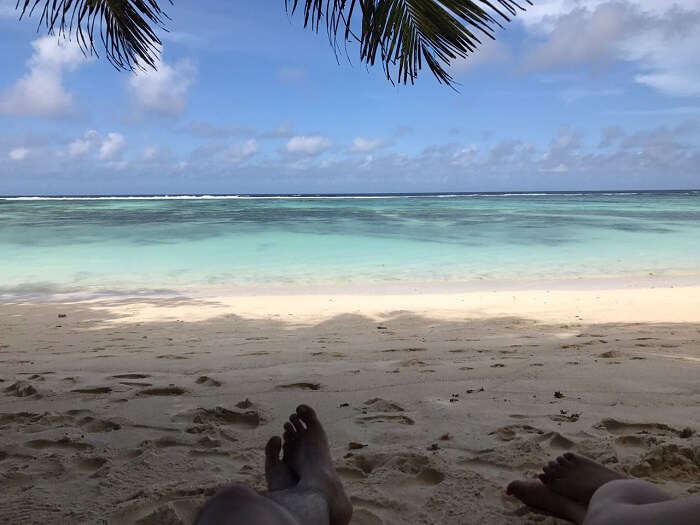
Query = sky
x=572 y=95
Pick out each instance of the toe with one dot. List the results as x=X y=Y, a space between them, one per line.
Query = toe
x=564 y=463
x=571 y=457
x=289 y=432
x=518 y=488
x=273 y=448
x=297 y=423
x=307 y=415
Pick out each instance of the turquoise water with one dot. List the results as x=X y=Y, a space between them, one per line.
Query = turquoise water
x=158 y=243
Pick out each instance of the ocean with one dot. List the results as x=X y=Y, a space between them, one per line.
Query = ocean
x=145 y=244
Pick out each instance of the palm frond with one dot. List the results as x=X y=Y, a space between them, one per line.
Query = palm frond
x=125 y=27
x=404 y=34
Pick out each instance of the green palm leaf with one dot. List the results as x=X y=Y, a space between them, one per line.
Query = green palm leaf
x=125 y=27
x=402 y=35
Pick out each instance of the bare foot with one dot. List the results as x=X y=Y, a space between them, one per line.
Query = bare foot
x=307 y=454
x=278 y=474
x=535 y=494
x=576 y=477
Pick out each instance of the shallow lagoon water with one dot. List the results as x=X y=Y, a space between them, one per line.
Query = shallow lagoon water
x=119 y=243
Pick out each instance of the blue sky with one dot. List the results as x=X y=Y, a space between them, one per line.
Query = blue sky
x=572 y=95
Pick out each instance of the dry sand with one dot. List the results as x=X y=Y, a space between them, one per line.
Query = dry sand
x=134 y=411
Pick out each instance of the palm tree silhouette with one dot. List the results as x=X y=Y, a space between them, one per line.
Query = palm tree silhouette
x=401 y=35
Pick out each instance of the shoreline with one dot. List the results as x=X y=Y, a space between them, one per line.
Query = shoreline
x=39 y=293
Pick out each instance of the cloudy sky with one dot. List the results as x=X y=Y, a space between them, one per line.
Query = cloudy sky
x=590 y=94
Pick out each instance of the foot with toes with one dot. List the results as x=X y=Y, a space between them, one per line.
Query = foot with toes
x=306 y=463
x=564 y=487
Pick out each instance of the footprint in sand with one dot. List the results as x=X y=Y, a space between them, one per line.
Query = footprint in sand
x=63 y=443
x=612 y=354
x=93 y=390
x=328 y=354
x=221 y=416
x=670 y=462
x=131 y=376
x=163 y=391
x=412 y=349
x=413 y=362
x=207 y=381
x=21 y=389
x=556 y=441
x=89 y=464
x=163 y=443
x=300 y=386
x=428 y=477
x=385 y=418
x=93 y=425
x=511 y=432
x=615 y=426
x=378 y=404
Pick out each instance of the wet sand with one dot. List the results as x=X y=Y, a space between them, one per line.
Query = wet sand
x=135 y=410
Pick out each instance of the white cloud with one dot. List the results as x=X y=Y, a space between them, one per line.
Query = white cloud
x=19 y=154
x=659 y=38
x=41 y=92
x=163 y=91
x=112 y=146
x=581 y=36
x=107 y=148
x=155 y=154
x=243 y=151
x=366 y=145
x=465 y=156
x=82 y=146
x=308 y=145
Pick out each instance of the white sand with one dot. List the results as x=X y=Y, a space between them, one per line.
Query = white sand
x=109 y=414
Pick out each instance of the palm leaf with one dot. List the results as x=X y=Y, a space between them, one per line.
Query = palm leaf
x=404 y=34
x=125 y=27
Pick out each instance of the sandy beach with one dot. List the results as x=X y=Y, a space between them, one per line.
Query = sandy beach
x=134 y=410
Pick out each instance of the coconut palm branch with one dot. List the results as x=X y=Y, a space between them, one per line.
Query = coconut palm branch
x=401 y=35
x=127 y=28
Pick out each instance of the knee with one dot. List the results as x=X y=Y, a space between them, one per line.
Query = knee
x=630 y=492
x=610 y=500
